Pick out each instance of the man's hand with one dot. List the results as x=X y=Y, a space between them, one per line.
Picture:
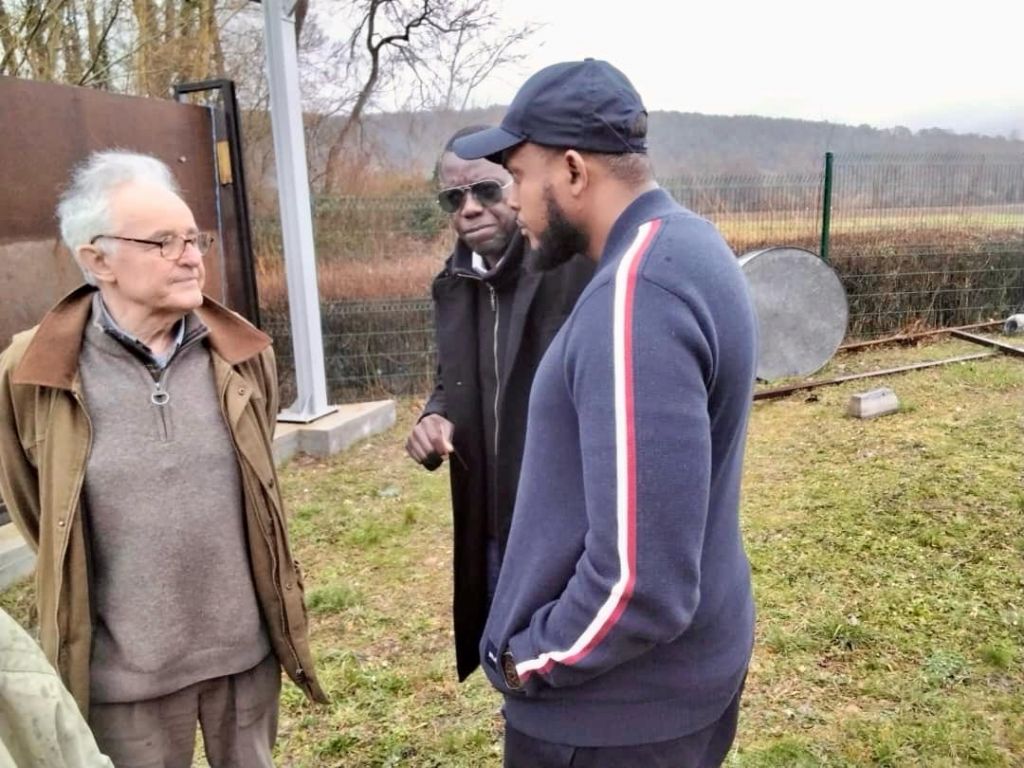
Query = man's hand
x=431 y=440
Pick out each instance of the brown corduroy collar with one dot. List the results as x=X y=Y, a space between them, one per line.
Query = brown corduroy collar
x=51 y=359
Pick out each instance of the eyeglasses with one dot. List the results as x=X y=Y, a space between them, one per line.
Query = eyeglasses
x=171 y=247
x=487 y=192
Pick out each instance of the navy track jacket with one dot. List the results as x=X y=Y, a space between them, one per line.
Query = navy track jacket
x=625 y=599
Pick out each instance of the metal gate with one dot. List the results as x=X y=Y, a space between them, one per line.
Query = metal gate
x=45 y=129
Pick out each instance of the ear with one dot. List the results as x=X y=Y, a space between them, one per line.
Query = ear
x=579 y=173
x=95 y=260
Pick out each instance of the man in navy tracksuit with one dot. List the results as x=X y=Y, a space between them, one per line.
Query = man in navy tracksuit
x=622 y=625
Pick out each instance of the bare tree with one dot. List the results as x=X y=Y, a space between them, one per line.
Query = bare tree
x=133 y=46
x=458 y=61
x=438 y=51
x=390 y=54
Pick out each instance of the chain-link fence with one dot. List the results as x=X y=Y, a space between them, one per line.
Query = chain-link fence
x=371 y=348
x=755 y=212
x=918 y=241
x=927 y=241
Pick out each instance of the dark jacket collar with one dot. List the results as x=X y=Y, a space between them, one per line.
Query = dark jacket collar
x=650 y=205
x=461 y=262
x=51 y=359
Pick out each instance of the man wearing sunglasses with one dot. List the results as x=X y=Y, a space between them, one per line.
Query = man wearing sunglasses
x=494 y=318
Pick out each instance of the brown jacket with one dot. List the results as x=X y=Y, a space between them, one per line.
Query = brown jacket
x=45 y=436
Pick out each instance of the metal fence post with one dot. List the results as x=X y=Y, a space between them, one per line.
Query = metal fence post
x=826 y=208
x=296 y=215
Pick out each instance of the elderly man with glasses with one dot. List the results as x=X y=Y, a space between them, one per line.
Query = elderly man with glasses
x=136 y=423
x=495 y=315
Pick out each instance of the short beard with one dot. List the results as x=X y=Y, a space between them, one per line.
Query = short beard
x=560 y=241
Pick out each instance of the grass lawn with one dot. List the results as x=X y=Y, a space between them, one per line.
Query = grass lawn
x=888 y=561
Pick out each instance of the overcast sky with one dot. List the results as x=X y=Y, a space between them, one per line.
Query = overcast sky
x=899 y=62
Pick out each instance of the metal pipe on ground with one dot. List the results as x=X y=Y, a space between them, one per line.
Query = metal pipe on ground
x=771 y=394
x=914 y=336
x=1006 y=349
x=1014 y=324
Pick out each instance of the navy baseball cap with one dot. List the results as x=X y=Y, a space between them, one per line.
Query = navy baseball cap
x=587 y=105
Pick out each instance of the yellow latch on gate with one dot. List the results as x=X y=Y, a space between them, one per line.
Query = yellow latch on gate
x=224 y=162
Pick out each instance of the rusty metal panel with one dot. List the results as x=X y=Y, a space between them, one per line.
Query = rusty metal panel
x=45 y=129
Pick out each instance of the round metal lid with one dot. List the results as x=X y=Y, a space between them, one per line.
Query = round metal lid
x=801 y=309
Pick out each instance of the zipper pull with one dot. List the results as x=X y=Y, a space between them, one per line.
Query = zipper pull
x=160 y=396
x=494 y=301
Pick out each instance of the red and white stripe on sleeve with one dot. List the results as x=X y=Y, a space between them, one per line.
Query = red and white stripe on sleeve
x=612 y=608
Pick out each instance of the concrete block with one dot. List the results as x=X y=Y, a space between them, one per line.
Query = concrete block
x=335 y=432
x=16 y=557
x=876 y=402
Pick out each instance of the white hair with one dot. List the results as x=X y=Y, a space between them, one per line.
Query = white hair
x=84 y=208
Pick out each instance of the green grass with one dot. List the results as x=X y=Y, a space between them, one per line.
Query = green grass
x=19 y=601
x=888 y=564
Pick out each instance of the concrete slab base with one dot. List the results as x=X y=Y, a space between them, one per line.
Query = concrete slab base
x=16 y=558
x=335 y=432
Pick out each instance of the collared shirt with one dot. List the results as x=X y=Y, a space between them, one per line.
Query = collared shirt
x=481 y=268
x=106 y=322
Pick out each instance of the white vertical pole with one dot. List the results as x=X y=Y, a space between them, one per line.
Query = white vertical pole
x=296 y=215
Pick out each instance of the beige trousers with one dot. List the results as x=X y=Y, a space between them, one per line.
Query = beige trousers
x=238 y=715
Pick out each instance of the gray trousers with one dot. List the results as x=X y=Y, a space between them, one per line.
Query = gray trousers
x=238 y=715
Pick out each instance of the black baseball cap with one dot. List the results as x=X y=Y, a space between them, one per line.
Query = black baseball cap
x=587 y=105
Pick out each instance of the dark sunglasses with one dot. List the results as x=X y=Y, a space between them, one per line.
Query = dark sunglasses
x=487 y=192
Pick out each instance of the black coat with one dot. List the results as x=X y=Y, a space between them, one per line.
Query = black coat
x=541 y=303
